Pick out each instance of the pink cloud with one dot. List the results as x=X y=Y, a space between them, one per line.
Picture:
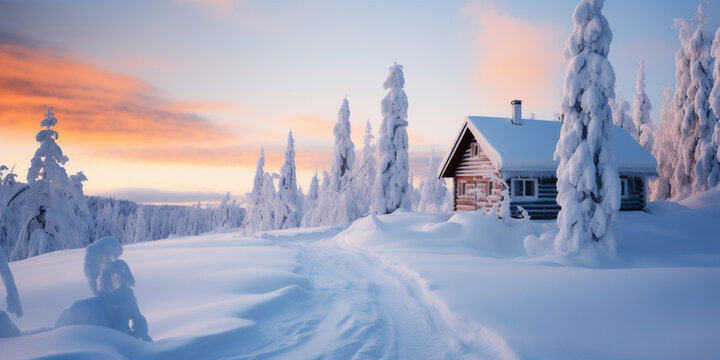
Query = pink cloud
x=514 y=59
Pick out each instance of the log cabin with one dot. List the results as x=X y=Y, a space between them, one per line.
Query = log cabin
x=491 y=154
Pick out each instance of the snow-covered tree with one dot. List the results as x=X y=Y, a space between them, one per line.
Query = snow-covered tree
x=269 y=198
x=501 y=208
x=340 y=200
x=114 y=305
x=677 y=110
x=715 y=93
x=621 y=115
x=288 y=212
x=413 y=194
x=343 y=157
x=588 y=182
x=641 y=111
x=311 y=201
x=663 y=150
x=689 y=103
x=318 y=215
x=224 y=216
x=697 y=164
x=260 y=211
x=7 y=180
x=434 y=191
x=7 y=188
x=56 y=215
x=391 y=185
x=367 y=171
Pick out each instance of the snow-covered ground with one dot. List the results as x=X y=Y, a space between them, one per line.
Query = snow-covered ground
x=407 y=286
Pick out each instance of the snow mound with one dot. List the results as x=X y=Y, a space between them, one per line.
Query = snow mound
x=471 y=231
x=114 y=305
x=710 y=198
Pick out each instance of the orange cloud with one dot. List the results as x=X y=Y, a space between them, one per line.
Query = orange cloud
x=225 y=156
x=94 y=106
x=514 y=59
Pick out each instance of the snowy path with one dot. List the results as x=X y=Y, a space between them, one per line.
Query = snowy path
x=363 y=308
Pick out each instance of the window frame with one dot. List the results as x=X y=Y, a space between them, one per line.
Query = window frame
x=525 y=180
x=475 y=150
x=462 y=188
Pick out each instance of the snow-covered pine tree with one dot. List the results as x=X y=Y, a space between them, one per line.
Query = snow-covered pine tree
x=433 y=190
x=268 y=199
x=221 y=214
x=588 y=182
x=288 y=212
x=641 y=111
x=341 y=200
x=254 y=216
x=344 y=151
x=311 y=201
x=698 y=163
x=7 y=187
x=621 y=117
x=671 y=116
x=367 y=171
x=684 y=124
x=663 y=150
x=715 y=93
x=391 y=184
x=56 y=214
x=413 y=193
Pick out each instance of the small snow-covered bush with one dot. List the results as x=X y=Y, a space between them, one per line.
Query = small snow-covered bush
x=115 y=305
x=98 y=256
x=538 y=246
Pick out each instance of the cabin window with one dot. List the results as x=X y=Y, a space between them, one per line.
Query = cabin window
x=475 y=150
x=624 y=188
x=490 y=187
x=524 y=188
x=462 y=188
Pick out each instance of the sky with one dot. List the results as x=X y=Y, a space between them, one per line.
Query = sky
x=170 y=101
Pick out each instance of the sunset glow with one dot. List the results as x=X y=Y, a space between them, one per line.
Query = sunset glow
x=197 y=106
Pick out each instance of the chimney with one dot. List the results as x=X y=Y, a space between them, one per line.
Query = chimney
x=516 y=112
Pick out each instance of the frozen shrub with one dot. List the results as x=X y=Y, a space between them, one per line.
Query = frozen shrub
x=114 y=305
x=98 y=256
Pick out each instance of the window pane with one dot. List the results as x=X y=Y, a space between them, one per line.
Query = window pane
x=529 y=188
x=518 y=191
x=490 y=188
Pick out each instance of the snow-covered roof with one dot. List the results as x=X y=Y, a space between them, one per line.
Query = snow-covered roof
x=529 y=148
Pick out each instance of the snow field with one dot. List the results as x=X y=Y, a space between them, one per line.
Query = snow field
x=656 y=298
x=400 y=286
